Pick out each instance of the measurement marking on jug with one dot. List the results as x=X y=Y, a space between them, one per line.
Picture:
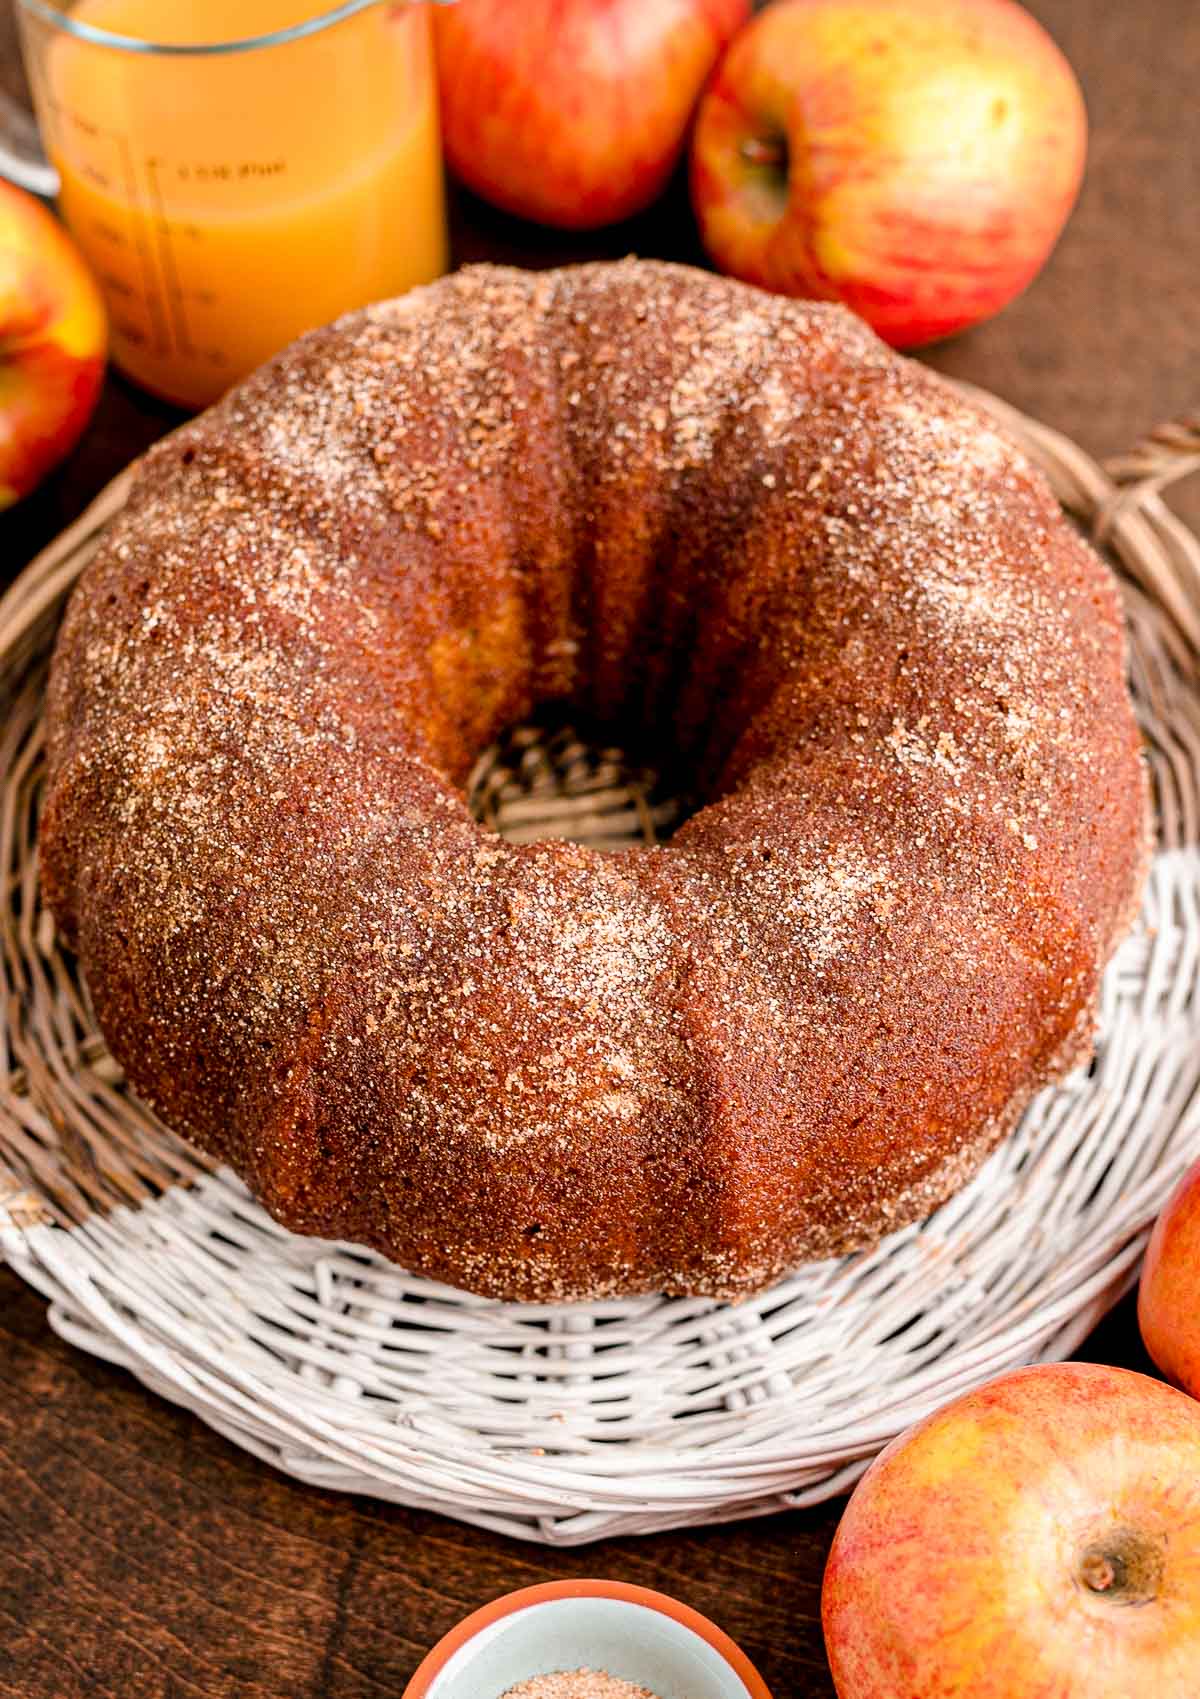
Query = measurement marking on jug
x=230 y=171
x=166 y=259
x=162 y=340
x=131 y=333
x=108 y=233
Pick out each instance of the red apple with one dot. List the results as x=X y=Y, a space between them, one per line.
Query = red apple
x=1038 y=1538
x=52 y=340
x=1169 y=1299
x=573 y=112
x=916 y=159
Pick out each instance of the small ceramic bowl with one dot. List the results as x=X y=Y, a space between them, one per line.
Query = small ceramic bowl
x=630 y=1632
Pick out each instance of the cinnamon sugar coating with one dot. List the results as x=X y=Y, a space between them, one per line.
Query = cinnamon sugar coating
x=848 y=607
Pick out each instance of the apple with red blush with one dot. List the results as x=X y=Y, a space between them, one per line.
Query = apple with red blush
x=1037 y=1538
x=574 y=113
x=1169 y=1296
x=52 y=343
x=914 y=159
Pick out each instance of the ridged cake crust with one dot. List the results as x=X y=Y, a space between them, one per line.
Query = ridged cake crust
x=835 y=592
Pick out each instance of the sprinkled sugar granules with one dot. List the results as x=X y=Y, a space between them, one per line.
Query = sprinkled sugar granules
x=577 y=1684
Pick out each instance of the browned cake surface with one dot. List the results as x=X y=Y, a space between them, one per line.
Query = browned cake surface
x=843 y=602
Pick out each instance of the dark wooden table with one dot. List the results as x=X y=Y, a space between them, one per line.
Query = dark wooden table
x=140 y=1555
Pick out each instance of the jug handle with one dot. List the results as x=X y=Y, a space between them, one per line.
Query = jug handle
x=22 y=157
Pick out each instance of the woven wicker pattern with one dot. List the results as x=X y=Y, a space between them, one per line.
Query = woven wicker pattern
x=565 y=1424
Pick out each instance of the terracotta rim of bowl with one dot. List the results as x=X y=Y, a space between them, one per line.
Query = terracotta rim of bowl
x=507 y=1604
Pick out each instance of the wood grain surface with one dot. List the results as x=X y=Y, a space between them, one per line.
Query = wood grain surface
x=143 y=1556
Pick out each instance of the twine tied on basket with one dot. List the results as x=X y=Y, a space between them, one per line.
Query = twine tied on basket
x=20 y=1210
x=1163 y=456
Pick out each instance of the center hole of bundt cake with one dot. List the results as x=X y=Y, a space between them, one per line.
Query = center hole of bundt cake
x=558 y=777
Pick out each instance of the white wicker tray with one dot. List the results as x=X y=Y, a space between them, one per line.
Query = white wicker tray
x=563 y=1424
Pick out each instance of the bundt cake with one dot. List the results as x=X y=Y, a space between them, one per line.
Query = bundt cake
x=841 y=604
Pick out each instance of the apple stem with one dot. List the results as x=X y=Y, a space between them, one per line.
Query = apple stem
x=1124 y=1566
x=1097 y=1572
x=769 y=151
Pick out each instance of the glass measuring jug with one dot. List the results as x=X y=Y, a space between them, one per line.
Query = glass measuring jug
x=236 y=171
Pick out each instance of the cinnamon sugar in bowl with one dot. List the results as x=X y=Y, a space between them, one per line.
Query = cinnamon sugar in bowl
x=586 y=1640
x=578 y=1684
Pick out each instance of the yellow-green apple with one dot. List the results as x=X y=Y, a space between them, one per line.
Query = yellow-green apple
x=574 y=112
x=916 y=159
x=1038 y=1538
x=52 y=341
x=1169 y=1299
